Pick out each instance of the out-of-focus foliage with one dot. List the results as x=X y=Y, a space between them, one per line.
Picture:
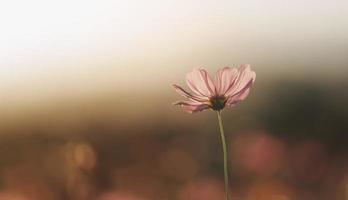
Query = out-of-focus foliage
x=287 y=141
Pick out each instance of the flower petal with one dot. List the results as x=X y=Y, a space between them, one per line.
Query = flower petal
x=192 y=107
x=224 y=78
x=199 y=81
x=245 y=79
x=237 y=98
x=188 y=95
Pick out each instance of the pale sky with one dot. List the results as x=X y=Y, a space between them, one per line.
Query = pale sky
x=62 y=47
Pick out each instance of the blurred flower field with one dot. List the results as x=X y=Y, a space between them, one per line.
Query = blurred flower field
x=286 y=142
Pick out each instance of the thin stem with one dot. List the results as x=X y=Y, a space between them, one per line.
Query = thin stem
x=224 y=149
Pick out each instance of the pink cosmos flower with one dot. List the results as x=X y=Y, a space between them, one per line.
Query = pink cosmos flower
x=230 y=86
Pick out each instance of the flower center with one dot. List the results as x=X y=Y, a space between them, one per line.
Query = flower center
x=218 y=102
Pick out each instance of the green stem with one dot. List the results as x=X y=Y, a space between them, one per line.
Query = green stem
x=224 y=149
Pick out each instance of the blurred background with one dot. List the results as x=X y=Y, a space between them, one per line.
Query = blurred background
x=86 y=100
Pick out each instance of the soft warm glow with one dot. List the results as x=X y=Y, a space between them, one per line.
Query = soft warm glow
x=68 y=46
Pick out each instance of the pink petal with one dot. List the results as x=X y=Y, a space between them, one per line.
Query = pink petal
x=236 y=99
x=192 y=107
x=224 y=78
x=245 y=79
x=188 y=95
x=199 y=81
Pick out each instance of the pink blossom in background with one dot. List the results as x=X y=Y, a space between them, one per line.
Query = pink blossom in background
x=230 y=86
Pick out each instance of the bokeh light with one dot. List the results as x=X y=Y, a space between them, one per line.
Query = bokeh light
x=86 y=100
